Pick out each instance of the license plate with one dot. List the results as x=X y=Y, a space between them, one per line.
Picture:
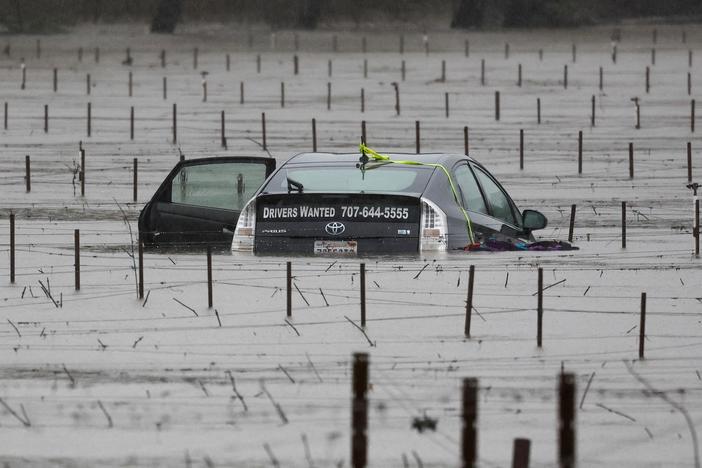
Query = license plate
x=324 y=247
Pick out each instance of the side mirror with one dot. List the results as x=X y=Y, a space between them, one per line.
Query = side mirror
x=533 y=220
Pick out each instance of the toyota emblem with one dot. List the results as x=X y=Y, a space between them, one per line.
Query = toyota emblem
x=335 y=228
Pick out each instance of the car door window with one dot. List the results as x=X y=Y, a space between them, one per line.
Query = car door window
x=472 y=197
x=218 y=185
x=500 y=206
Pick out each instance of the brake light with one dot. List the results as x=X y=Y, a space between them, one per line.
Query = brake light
x=434 y=235
x=244 y=233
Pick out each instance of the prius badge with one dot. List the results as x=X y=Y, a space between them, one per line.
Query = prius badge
x=335 y=228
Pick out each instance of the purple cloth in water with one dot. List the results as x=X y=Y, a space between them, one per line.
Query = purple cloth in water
x=495 y=245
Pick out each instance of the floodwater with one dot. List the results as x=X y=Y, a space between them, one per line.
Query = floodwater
x=101 y=377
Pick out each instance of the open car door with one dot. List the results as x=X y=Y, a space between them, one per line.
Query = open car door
x=200 y=201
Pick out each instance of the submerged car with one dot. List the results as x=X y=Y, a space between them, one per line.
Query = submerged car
x=350 y=204
x=325 y=203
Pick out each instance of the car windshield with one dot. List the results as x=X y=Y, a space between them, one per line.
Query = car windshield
x=393 y=178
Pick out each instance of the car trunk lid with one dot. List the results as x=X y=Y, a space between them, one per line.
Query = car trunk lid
x=337 y=223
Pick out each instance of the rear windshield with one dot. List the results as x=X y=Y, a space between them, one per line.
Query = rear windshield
x=393 y=178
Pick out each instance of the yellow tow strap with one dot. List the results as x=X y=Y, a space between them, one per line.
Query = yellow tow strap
x=385 y=158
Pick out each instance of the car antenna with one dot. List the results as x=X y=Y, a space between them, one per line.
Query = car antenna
x=363 y=160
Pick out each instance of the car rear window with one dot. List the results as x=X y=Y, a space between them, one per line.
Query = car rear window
x=392 y=178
